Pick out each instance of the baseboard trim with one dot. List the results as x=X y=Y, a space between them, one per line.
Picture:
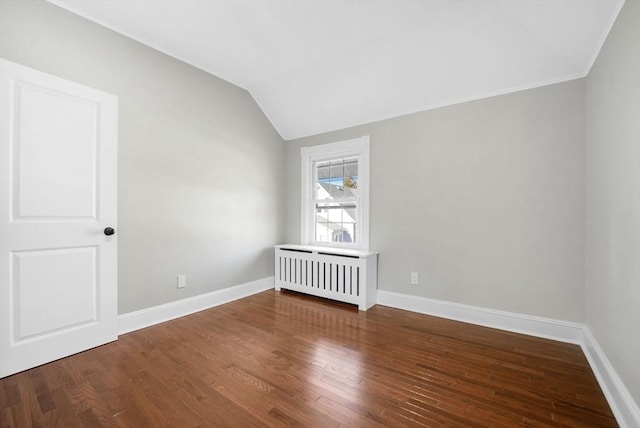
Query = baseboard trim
x=548 y=328
x=158 y=314
x=618 y=396
x=622 y=403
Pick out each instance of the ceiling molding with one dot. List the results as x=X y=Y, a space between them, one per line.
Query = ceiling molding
x=603 y=37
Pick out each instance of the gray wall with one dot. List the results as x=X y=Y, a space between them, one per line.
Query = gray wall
x=613 y=198
x=484 y=199
x=199 y=164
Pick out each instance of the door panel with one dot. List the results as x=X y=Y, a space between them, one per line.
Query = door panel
x=71 y=281
x=54 y=180
x=58 y=271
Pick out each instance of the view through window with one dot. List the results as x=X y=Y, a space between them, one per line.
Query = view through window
x=336 y=200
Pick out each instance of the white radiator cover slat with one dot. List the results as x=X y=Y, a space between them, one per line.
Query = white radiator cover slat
x=346 y=275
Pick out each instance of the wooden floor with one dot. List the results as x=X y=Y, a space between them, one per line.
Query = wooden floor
x=282 y=359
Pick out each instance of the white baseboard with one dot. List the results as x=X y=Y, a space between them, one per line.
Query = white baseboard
x=548 y=328
x=155 y=315
x=622 y=404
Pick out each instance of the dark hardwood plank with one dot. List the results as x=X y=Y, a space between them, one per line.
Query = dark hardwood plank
x=284 y=359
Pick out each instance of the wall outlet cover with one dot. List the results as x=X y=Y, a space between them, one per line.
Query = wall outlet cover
x=415 y=280
x=182 y=281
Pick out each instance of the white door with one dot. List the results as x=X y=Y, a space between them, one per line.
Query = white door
x=58 y=272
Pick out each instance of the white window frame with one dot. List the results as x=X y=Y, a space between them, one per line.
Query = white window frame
x=355 y=148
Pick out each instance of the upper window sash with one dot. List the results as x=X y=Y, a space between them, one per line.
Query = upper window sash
x=316 y=181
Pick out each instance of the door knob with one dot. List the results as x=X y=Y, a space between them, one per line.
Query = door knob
x=109 y=231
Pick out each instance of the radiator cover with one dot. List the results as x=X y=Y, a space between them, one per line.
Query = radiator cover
x=346 y=275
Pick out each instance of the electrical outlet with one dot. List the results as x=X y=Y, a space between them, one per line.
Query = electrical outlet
x=414 y=278
x=182 y=281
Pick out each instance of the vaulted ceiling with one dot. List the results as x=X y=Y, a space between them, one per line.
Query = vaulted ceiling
x=317 y=66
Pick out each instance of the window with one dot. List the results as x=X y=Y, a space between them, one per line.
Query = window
x=335 y=194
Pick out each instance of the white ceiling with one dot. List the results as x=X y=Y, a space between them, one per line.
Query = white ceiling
x=317 y=66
